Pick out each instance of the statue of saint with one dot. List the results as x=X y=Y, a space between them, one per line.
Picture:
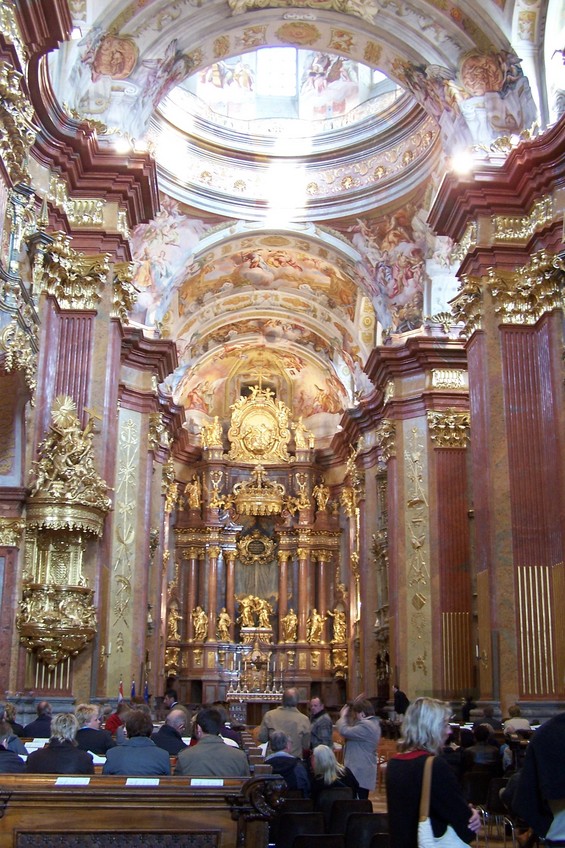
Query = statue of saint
x=200 y=624
x=314 y=623
x=290 y=626
x=223 y=626
x=247 y=611
x=300 y=434
x=340 y=625
x=173 y=619
x=321 y=495
x=264 y=610
x=193 y=492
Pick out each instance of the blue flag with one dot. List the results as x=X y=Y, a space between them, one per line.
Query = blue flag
x=146 y=692
x=133 y=688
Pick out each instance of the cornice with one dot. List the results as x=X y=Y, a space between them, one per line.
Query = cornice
x=43 y=24
x=531 y=170
x=72 y=148
x=508 y=257
x=420 y=353
x=159 y=356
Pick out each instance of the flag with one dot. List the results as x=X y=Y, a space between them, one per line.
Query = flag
x=121 y=691
x=133 y=688
x=146 y=692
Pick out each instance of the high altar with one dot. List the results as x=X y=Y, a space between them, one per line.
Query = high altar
x=258 y=552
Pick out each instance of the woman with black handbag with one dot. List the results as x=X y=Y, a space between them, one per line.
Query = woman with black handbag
x=448 y=820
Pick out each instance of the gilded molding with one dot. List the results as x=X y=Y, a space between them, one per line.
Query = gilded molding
x=365 y=9
x=85 y=212
x=468 y=305
x=72 y=278
x=386 y=438
x=508 y=228
x=124 y=294
x=449 y=378
x=467 y=243
x=169 y=486
x=122 y=224
x=449 y=429
x=157 y=435
x=526 y=294
x=389 y=391
x=11 y=31
x=259 y=428
x=11 y=531
x=20 y=349
x=16 y=131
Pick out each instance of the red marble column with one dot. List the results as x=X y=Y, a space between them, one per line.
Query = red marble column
x=213 y=554
x=192 y=589
x=303 y=593
x=283 y=589
x=229 y=556
x=323 y=558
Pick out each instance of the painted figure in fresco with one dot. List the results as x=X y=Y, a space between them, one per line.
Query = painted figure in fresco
x=315 y=623
x=321 y=495
x=200 y=624
x=340 y=625
x=193 y=492
x=223 y=625
x=290 y=626
x=173 y=619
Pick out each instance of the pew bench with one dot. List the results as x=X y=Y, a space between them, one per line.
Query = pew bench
x=106 y=811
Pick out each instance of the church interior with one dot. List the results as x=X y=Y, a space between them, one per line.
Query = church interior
x=281 y=350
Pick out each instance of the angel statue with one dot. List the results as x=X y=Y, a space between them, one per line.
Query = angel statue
x=193 y=492
x=340 y=625
x=321 y=495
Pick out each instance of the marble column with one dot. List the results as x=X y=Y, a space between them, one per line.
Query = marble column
x=192 y=589
x=283 y=590
x=213 y=555
x=303 y=593
x=229 y=556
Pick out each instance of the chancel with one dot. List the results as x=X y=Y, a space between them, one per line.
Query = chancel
x=282 y=390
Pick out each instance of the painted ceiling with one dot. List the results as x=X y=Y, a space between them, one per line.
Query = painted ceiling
x=288 y=241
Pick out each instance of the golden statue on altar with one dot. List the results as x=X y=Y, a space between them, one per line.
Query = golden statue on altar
x=223 y=625
x=259 y=430
x=290 y=626
x=315 y=624
x=200 y=624
x=211 y=435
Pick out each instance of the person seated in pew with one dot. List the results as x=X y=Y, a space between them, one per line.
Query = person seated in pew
x=169 y=736
x=10 y=762
x=61 y=754
x=40 y=728
x=89 y=735
x=138 y=755
x=289 y=767
x=117 y=719
x=10 y=717
x=211 y=756
x=13 y=742
x=327 y=773
x=482 y=756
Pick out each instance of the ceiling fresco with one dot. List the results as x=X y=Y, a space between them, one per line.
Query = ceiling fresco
x=292 y=236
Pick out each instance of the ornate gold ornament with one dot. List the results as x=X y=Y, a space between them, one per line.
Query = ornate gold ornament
x=467 y=243
x=449 y=378
x=169 y=486
x=172 y=658
x=11 y=31
x=468 y=305
x=11 y=531
x=365 y=9
x=508 y=228
x=211 y=435
x=339 y=663
x=449 y=429
x=389 y=391
x=16 y=129
x=386 y=438
x=20 y=348
x=71 y=277
x=157 y=435
x=259 y=430
x=124 y=294
x=528 y=293
x=258 y=496
x=68 y=501
x=122 y=224
x=255 y=549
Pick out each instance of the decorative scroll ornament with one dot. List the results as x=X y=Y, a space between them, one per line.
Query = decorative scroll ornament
x=124 y=293
x=157 y=435
x=449 y=429
x=468 y=242
x=11 y=531
x=169 y=486
x=468 y=306
x=11 y=31
x=528 y=293
x=259 y=430
x=71 y=277
x=386 y=438
x=507 y=228
x=259 y=495
x=68 y=493
x=255 y=548
x=20 y=348
x=211 y=435
x=16 y=132
x=365 y=9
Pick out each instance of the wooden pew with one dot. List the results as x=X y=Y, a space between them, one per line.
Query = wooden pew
x=37 y=811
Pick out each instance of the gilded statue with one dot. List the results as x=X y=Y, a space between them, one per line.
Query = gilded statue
x=200 y=624
x=321 y=495
x=173 y=619
x=339 y=625
x=290 y=626
x=303 y=438
x=211 y=435
x=193 y=492
x=264 y=610
x=314 y=623
x=223 y=625
x=247 y=611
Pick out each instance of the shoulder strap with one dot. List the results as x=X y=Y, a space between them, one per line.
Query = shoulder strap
x=426 y=785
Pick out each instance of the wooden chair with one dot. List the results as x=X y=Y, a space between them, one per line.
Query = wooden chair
x=328 y=797
x=291 y=825
x=362 y=827
x=341 y=810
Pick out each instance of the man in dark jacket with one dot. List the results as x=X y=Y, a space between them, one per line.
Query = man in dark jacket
x=40 y=728
x=139 y=754
x=321 y=724
x=540 y=795
x=289 y=767
x=10 y=762
x=169 y=736
x=61 y=755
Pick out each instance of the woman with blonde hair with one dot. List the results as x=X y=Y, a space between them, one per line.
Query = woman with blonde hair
x=327 y=773
x=61 y=754
x=424 y=731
